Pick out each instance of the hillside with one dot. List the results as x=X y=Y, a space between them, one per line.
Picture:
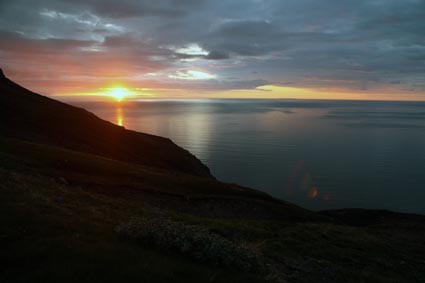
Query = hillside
x=32 y=117
x=83 y=200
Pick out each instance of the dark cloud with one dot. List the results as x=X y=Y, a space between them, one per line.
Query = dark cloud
x=217 y=55
x=347 y=44
x=16 y=43
x=247 y=29
x=138 y=8
x=125 y=9
x=212 y=55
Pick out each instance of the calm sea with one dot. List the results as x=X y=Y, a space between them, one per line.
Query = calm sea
x=317 y=154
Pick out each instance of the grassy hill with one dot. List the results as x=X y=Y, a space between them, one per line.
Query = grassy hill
x=79 y=210
x=29 y=116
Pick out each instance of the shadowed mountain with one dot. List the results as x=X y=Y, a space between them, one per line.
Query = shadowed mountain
x=32 y=117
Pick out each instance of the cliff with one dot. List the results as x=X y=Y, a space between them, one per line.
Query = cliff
x=32 y=117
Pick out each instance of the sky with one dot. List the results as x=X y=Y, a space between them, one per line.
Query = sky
x=345 y=49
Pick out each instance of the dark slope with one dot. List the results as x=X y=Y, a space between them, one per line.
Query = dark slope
x=69 y=216
x=32 y=117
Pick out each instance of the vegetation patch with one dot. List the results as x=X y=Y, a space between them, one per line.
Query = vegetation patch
x=194 y=241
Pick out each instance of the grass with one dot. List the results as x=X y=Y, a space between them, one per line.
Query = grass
x=60 y=209
x=53 y=232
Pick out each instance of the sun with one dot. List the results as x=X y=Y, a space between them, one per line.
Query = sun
x=119 y=93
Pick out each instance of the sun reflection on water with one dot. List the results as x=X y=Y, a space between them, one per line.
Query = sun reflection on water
x=120 y=117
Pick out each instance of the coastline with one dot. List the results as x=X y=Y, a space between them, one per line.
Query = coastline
x=74 y=209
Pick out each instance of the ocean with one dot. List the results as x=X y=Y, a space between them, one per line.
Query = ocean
x=318 y=154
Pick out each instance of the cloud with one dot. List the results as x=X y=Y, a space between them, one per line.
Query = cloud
x=16 y=43
x=124 y=9
x=217 y=55
x=350 y=44
x=193 y=75
x=194 y=51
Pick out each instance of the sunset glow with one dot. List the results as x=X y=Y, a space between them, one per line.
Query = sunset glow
x=119 y=93
x=284 y=49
